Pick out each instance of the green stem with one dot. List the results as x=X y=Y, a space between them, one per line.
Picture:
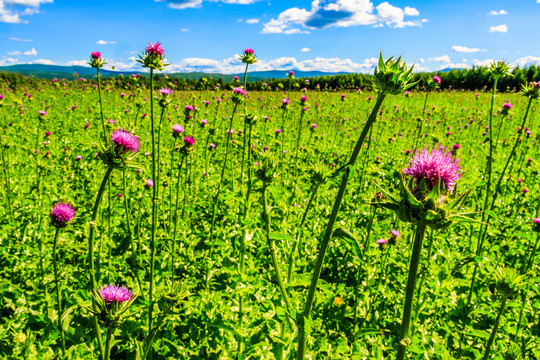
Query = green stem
x=411 y=285
x=8 y=191
x=330 y=227
x=93 y=282
x=108 y=344
x=154 y=204
x=421 y=121
x=101 y=106
x=173 y=247
x=58 y=302
x=272 y=245
x=512 y=153
x=495 y=328
x=135 y=269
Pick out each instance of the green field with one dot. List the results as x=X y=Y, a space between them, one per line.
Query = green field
x=233 y=206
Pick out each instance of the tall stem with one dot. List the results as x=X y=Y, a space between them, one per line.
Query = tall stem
x=101 y=105
x=411 y=285
x=330 y=227
x=108 y=343
x=154 y=204
x=173 y=247
x=58 y=302
x=495 y=328
x=93 y=282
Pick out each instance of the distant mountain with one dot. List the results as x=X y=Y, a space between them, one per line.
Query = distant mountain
x=56 y=71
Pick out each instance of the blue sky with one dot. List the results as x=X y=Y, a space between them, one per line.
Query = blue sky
x=325 y=35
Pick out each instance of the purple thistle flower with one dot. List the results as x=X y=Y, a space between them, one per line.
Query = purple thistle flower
x=165 y=91
x=124 y=141
x=111 y=293
x=438 y=164
x=61 y=214
x=249 y=51
x=437 y=79
x=189 y=141
x=381 y=242
x=188 y=108
x=149 y=183
x=96 y=55
x=395 y=233
x=212 y=146
x=177 y=129
x=239 y=91
x=42 y=113
x=155 y=49
x=78 y=157
x=507 y=106
x=536 y=221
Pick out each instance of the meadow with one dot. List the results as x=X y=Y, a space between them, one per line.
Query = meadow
x=203 y=233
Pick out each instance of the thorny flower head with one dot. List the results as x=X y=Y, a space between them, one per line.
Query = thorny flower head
x=499 y=69
x=124 y=141
x=112 y=303
x=531 y=90
x=153 y=56
x=392 y=77
x=96 y=61
x=62 y=214
x=238 y=95
x=114 y=293
x=248 y=56
x=437 y=165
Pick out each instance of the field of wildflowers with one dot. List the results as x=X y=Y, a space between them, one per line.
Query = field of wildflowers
x=163 y=223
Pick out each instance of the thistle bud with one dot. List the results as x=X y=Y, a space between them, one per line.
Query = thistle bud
x=248 y=56
x=392 y=77
x=267 y=167
x=96 y=61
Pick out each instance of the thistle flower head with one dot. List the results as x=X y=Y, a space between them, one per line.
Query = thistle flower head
x=267 y=169
x=290 y=75
x=238 y=95
x=248 y=56
x=508 y=282
x=531 y=90
x=123 y=141
x=177 y=130
x=62 y=214
x=392 y=77
x=114 y=293
x=437 y=79
x=96 y=61
x=153 y=56
x=165 y=92
x=437 y=165
x=499 y=69
x=536 y=224
x=189 y=141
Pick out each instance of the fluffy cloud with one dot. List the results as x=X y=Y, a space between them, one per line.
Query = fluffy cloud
x=32 y=52
x=443 y=59
x=252 y=21
x=527 y=60
x=105 y=42
x=11 y=10
x=500 y=12
x=14 y=53
x=305 y=49
x=185 y=30
x=454 y=66
x=19 y=39
x=187 y=4
x=498 y=29
x=464 y=49
x=341 y=13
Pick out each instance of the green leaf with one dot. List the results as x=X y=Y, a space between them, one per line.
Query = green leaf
x=281 y=236
x=351 y=239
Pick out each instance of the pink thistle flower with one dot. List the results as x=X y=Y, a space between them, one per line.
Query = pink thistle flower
x=381 y=242
x=437 y=79
x=155 y=49
x=507 y=106
x=211 y=146
x=236 y=78
x=177 y=130
x=189 y=141
x=78 y=157
x=62 y=214
x=96 y=55
x=149 y=183
x=114 y=293
x=437 y=165
x=536 y=221
x=395 y=233
x=47 y=133
x=249 y=51
x=188 y=108
x=165 y=91
x=124 y=141
x=42 y=113
x=239 y=91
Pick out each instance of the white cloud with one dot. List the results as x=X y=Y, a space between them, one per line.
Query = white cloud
x=454 y=66
x=8 y=61
x=465 y=49
x=527 y=60
x=500 y=12
x=14 y=53
x=43 y=61
x=189 y=4
x=185 y=30
x=483 y=63
x=105 y=42
x=252 y=21
x=305 y=49
x=498 y=29
x=340 y=13
x=32 y=52
x=11 y=10
x=19 y=39
x=443 y=59
x=78 y=63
